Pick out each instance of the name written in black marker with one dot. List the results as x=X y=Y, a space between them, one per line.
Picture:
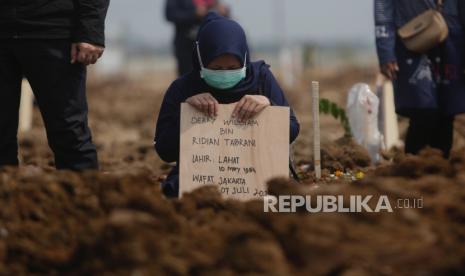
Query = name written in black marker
x=205 y=141
x=235 y=122
x=202 y=120
x=246 y=143
x=226 y=131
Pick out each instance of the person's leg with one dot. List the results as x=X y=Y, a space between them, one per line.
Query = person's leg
x=10 y=93
x=185 y=63
x=429 y=128
x=60 y=90
x=184 y=48
x=422 y=125
x=443 y=136
x=170 y=187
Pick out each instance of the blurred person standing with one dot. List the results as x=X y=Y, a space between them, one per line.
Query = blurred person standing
x=429 y=88
x=50 y=42
x=187 y=16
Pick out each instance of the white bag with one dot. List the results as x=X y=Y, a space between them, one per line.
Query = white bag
x=362 y=112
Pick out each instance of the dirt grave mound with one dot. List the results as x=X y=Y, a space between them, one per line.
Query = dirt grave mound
x=94 y=224
x=117 y=222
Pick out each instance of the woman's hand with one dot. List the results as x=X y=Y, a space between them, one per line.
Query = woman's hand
x=249 y=106
x=390 y=70
x=204 y=103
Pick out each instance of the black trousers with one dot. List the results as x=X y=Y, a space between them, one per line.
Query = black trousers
x=60 y=91
x=184 y=47
x=429 y=128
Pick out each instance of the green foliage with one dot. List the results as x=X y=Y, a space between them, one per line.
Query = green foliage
x=329 y=108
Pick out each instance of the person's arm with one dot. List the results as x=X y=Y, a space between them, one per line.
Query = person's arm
x=181 y=15
x=90 y=22
x=385 y=29
x=88 y=38
x=167 y=133
x=277 y=98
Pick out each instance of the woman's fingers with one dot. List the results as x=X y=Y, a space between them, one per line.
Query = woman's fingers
x=393 y=71
x=194 y=102
x=204 y=103
x=217 y=106
x=249 y=106
x=213 y=106
x=250 y=113
x=245 y=110
x=208 y=105
x=238 y=107
x=259 y=108
x=390 y=70
x=204 y=106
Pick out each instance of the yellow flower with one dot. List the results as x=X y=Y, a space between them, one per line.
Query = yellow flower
x=360 y=175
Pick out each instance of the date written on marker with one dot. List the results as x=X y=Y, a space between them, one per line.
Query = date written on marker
x=221 y=159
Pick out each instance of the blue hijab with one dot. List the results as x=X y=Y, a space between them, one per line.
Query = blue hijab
x=217 y=36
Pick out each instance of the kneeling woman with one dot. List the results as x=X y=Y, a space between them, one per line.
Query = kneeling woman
x=222 y=74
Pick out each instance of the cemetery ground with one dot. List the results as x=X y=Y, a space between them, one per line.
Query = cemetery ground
x=116 y=222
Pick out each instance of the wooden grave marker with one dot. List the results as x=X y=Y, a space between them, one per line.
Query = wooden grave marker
x=26 y=107
x=237 y=157
x=387 y=122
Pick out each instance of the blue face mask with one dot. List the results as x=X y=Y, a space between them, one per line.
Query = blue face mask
x=221 y=79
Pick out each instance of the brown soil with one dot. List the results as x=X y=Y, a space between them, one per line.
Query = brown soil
x=94 y=224
x=116 y=222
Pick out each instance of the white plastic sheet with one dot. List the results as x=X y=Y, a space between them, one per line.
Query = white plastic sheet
x=362 y=112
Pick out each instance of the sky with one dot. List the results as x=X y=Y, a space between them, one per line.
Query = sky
x=263 y=20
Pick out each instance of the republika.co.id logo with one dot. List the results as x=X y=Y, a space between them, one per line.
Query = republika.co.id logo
x=337 y=204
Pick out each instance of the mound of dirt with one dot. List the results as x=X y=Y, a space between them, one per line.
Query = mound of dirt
x=428 y=162
x=119 y=224
x=343 y=155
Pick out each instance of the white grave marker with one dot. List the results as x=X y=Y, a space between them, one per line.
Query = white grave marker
x=26 y=107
